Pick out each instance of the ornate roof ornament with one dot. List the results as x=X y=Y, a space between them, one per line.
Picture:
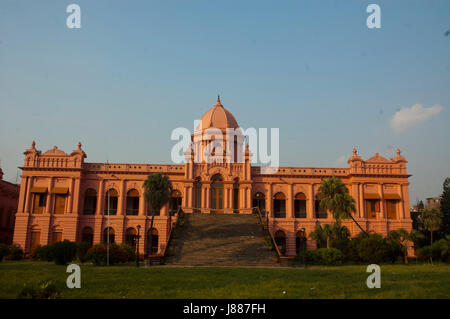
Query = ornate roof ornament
x=377 y=159
x=32 y=149
x=79 y=150
x=355 y=156
x=399 y=158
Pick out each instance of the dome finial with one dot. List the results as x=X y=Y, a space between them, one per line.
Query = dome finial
x=218 y=103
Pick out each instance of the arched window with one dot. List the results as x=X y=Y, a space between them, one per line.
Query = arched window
x=300 y=206
x=153 y=234
x=320 y=213
x=259 y=200
x=35 y=238
x=300 y=241
x=109 y=233
x=217 y=194
x=90 y=202
x=130 y=237
x=87 y=235
x=132 y=202
x=280 y=240
x=174 y=202
x=197 y=195
x=57 y=235
x=279 y=205
x=236 y=196
x=111 y=199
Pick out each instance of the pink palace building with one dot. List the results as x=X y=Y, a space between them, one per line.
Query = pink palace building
x=64 y=197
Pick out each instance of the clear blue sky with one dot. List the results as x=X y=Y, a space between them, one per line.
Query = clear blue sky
x=138 y=69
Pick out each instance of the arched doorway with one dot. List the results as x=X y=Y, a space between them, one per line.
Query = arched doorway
x=280 y=240
x=279 y=205
x=109 y=233
x=259 y=200
x=90 y=202
x=300 y=205
x=174 y=202
x=87 y=235
x=236 y=196
x=111 y=200
x=153 y=235
x=132 y=202
x=197 y=195
x=217 y=194
x=130 y=237
x=300 y=241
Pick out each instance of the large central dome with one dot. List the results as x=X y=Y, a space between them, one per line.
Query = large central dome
x=218 y=117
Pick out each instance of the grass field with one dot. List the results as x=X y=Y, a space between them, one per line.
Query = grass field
x=127 y=281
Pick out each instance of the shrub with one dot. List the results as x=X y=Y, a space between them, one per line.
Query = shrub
x=64 y=252
x=393 y=250
x=4 y=251
x=351 y=252
x=117 y=254
x=372 y=249
x=44 y=253
x=45 y=289
x=82 y=249
x=440 y=250
x=331 y=256
x=129 y=251
x=97 y=254
x=424 y=253
x=15 y=253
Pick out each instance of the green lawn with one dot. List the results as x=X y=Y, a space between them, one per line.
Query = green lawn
x=127 y=281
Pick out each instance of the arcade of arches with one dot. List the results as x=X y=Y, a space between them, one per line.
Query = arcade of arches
x=97 y=202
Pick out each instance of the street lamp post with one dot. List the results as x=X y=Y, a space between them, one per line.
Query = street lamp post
x=137 y=245
x=304 y=246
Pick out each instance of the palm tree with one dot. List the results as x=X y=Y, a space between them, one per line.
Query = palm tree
x=322 y=235
x=431 y=219
x=333 y=195
x=403 y=237
x=157 y=193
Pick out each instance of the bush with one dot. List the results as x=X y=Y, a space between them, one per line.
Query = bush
x=4 y=251
x=424 y=253
x=64 y=252
x=331 y=256
x=97 y=254
x=372 y=249
x=129 y=252
x=15 y=253
x=44 y=253
x=322 y=256
x=82 y=250
x=45 y=289
x=440 y=250
x=393 y=250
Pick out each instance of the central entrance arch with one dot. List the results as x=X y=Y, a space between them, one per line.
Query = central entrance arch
x=217 y=194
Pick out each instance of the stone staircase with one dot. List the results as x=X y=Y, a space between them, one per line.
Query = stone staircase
x=220 y=240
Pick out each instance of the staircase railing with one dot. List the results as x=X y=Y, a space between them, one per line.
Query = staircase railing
x=280 y=256
x=261 y=218
x=179 y=214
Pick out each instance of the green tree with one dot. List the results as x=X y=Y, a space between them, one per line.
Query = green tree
x=334 y=196
x=431 y=219
x=403 y=237
x=445 y=207
x=321 y=235
x=157 y=193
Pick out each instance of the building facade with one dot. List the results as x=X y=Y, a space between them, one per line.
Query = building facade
x=64 y=197
x=9 y=197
